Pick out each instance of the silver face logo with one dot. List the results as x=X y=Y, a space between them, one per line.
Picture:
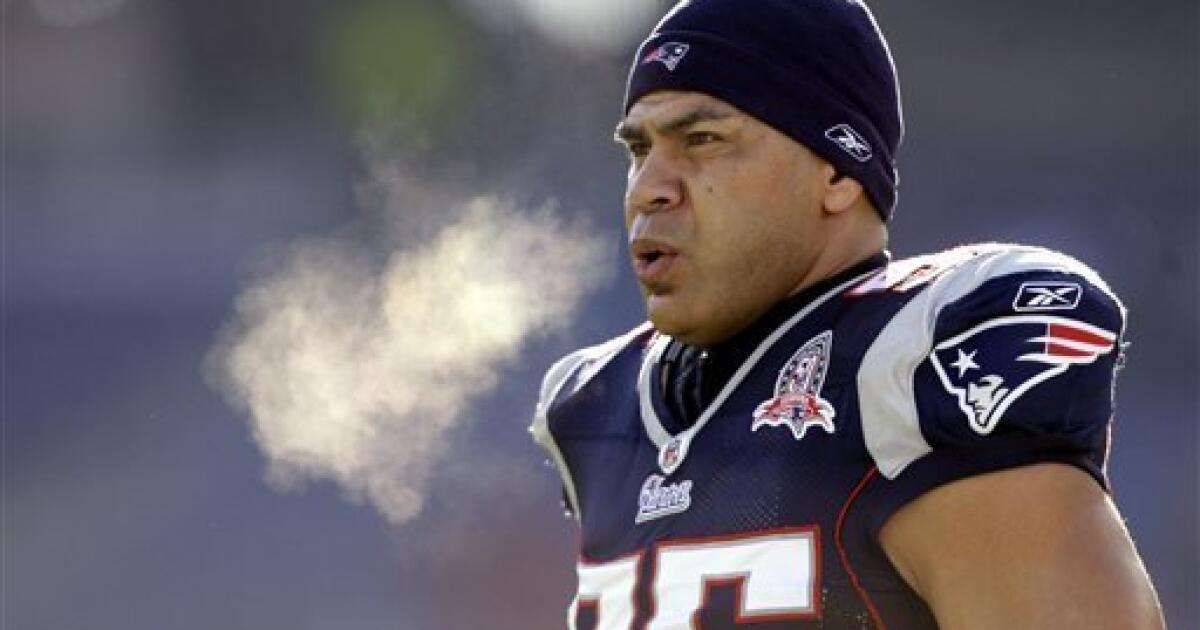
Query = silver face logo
x=991 y=366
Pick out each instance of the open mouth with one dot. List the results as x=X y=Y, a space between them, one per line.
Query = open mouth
x=650 y=250
x=651 y=259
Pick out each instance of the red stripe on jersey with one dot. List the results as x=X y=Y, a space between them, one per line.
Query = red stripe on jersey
x=1059 y=350
x=1066 y=331
x=837 y=537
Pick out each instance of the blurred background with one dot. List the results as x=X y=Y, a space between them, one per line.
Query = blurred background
x=163 y=160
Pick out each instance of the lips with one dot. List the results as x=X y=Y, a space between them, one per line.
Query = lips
x=652 y=259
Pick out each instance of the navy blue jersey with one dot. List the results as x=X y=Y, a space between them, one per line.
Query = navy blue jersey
x=765 y=512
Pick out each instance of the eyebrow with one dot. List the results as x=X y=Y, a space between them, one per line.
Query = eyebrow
x=629 y=132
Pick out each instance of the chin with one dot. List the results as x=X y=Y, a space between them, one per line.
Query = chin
x=679 y=324
x=668 y=317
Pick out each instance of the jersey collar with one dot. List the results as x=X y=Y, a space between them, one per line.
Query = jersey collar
x=673 y=448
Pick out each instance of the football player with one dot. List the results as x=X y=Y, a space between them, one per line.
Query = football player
x=807 y=434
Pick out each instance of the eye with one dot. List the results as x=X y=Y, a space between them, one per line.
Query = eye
x=700 y=138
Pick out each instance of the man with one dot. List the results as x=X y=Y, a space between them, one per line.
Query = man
x=807 y=434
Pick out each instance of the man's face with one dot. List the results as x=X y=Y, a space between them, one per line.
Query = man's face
x=723 y=213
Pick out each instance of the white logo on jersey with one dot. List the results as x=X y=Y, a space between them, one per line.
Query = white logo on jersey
x=1047 y=296
x=797 y=403
x=657 y=500
x=998 y=361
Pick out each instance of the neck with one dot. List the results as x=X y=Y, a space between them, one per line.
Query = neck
x=851 y=239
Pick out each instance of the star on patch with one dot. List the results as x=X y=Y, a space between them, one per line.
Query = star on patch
x=966 y=361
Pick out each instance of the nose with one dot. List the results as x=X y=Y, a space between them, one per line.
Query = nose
x=654 y=185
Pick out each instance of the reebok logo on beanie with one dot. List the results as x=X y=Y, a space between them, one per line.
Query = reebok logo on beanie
x=850 y=141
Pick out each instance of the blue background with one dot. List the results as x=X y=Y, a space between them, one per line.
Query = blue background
x=151 y=154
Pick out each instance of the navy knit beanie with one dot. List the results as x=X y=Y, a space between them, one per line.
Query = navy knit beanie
x=819 y=71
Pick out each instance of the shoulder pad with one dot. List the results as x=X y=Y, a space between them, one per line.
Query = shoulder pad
x=1005 y=339
x=566 y=375
x=574 y=370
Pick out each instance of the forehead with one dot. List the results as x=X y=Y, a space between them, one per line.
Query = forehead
x=657 y=108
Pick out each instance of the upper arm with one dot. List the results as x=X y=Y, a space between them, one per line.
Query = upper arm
x=1035 y=547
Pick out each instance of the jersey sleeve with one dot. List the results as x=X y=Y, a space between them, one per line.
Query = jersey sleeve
x=1008 y=360
x=564 y=377
x=555 y=379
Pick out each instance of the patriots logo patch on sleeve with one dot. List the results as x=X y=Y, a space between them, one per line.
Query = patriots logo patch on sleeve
x=990 y=366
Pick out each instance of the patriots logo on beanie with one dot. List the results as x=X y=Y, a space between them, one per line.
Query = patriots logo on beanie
x=670 y=54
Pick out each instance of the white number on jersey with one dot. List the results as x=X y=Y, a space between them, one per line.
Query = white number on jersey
x=776 y=574
x=610 y=589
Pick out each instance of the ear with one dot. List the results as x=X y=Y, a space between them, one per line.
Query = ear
x=841 y=191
